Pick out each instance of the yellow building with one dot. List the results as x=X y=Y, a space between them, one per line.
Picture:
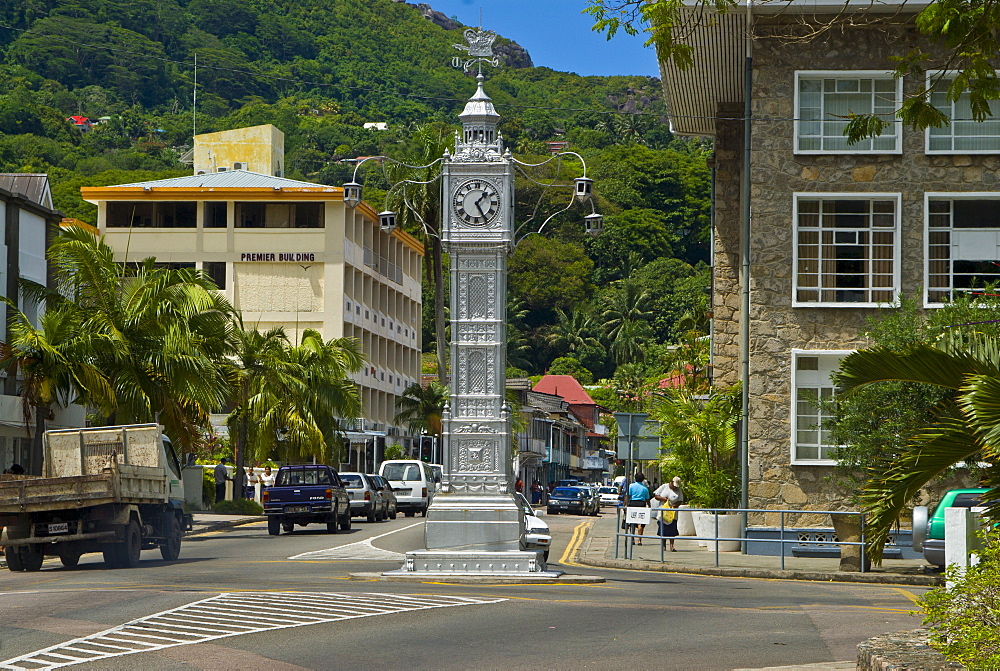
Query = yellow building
x=286 y=253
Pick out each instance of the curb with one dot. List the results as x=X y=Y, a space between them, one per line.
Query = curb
x=729 y=572
x=226 y=524
x=481 y=579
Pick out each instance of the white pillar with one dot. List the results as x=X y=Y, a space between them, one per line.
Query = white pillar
x=960 y=540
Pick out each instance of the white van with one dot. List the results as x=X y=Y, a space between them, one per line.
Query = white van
x=412 y=482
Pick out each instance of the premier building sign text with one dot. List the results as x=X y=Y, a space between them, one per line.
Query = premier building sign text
x=283 y=256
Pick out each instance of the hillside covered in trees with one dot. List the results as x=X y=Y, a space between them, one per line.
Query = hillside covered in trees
x=320 y=70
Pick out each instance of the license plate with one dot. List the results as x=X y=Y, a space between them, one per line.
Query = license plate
x=59 y=528
x=296 y=509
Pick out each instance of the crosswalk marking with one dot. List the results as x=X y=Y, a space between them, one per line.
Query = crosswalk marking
x=363 y=550
x=229 y=614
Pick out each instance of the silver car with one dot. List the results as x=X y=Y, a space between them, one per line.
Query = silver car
x=367 y=499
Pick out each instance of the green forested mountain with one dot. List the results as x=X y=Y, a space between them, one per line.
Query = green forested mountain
x=320 y=69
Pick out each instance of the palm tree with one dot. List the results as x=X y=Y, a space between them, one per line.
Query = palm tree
x=701 y=433
x=420 y=409
x=290 y=396
x=575 y=330
x=627 y=302
x=630 y=340
x=52 y=363
x=419 y=207
x=967 y=427
x=164 y=333
x=332 y=394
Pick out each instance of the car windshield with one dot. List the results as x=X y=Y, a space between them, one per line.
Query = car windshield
x=403 y=472
x=572 y=492
x=302 y=476
x=352 y=480
x=966 y=500
x=608 y=490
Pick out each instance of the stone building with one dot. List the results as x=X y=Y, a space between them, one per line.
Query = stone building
x=286 y=253
x=838 y=232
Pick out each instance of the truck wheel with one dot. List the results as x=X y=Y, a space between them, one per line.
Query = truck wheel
x=345 y=521
x=32 y=557
x=171 y=548
x=423 y=511
x=70 y=558
x=392 y=515
x=131 y=547
x=273 y=525
x=13 y=557
x=288 y=527
x=372 y=516
x=331 y=524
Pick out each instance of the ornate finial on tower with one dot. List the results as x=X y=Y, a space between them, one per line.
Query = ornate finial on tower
x=480 y=49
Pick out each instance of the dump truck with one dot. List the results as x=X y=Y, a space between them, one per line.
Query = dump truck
x=116 y=490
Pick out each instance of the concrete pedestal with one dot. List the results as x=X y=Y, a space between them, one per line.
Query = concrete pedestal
x=474 y=523
x=474 y=534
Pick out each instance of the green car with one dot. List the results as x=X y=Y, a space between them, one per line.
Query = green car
x=928 y=530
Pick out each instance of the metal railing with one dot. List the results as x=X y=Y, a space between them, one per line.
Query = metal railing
x=625 y=533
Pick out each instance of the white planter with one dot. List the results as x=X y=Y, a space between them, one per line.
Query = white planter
x=700 y=528
x=729 y=527
x=685 y=521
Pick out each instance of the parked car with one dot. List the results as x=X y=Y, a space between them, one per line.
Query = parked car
x=387 y=493
x=577 y=500
x=610 y=496
x=537 y=536
x=928 y=530
x=306 y=494
x=367 y=499
x=413 y=483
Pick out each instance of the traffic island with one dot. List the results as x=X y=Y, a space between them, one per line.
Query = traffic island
x=477 y=579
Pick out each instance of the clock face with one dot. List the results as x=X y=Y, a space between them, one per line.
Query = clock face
x=476 y=202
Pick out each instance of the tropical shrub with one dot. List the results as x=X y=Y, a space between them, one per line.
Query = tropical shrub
x=238 y=507
x=964 y=618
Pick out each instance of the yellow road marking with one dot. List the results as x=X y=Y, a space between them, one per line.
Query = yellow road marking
x=907 y=593
x=574 y=544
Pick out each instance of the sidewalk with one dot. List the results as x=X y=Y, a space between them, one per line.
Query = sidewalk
x=598 y=549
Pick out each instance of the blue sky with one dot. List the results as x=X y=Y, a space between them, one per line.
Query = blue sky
x=556 y=35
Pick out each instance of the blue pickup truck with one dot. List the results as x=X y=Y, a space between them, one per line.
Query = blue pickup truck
x=305 y=495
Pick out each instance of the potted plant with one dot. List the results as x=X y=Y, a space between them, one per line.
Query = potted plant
x=698 y=434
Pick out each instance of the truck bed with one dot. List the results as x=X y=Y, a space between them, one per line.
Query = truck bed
x=121 y=484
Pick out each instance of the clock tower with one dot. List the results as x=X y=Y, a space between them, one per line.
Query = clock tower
x=476 y=526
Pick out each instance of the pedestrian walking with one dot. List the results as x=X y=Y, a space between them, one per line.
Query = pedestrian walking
x=519 y=486
x=671 y=496
x=637 y=496
x=221 y=475
x=267 y=479
x=536 y=493
x=252 y=479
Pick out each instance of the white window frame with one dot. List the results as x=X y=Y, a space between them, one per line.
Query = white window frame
x=943 y=76
x=803 y=195
x=945 y=195
x=848 y=74
x=793 y=403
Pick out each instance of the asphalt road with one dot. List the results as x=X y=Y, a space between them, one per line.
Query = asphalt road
x=232 y=590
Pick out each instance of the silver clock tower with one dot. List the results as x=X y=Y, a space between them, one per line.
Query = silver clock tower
x=477 y=526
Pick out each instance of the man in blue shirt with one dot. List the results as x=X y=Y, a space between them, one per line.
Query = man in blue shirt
x=638 y=497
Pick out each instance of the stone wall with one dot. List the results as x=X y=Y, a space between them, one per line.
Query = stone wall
x=776 y=172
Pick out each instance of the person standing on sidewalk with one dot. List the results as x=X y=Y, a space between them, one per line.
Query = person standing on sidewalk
x=672 y=496
x=221 y=475
x=637 y=496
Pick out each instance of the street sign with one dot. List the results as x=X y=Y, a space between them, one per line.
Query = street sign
x=645 y=445
x=637 y=515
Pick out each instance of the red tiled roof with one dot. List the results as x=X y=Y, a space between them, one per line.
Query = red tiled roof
x=565 y=386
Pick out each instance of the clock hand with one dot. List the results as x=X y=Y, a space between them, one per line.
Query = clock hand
x=480 y=207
